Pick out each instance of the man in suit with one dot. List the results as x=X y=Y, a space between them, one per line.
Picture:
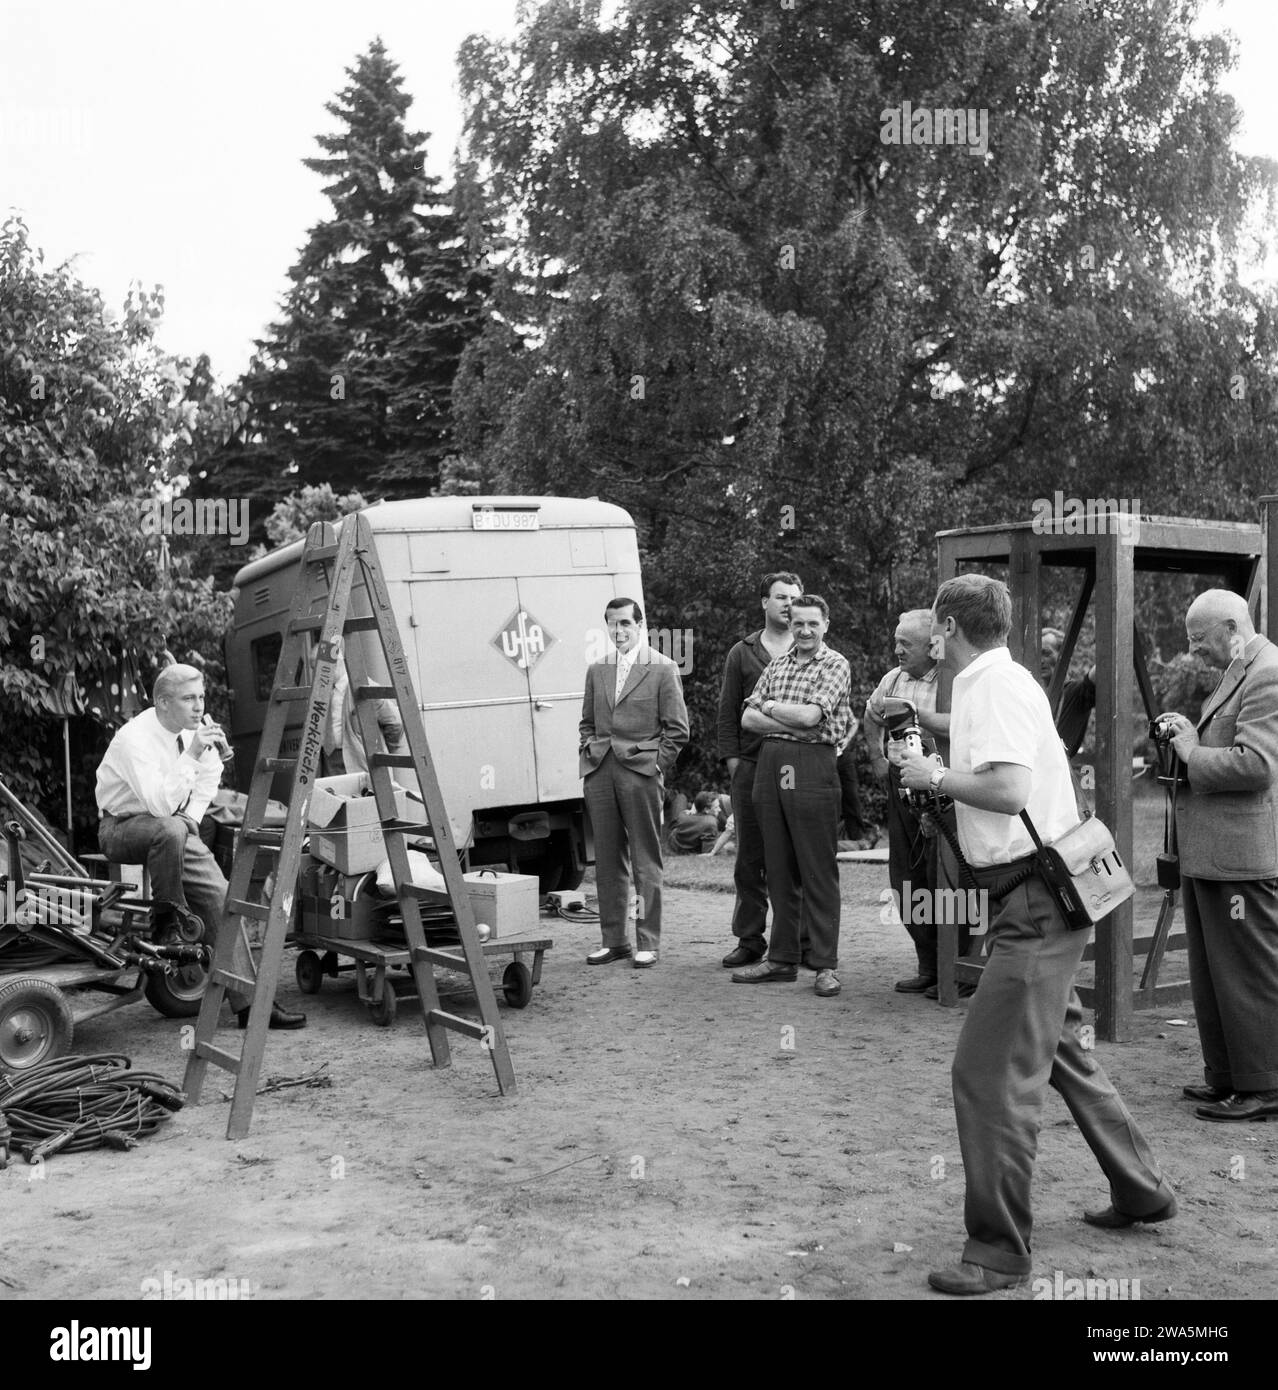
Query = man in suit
x=1022 y=1028
x=633 y=724
x=1227 y=831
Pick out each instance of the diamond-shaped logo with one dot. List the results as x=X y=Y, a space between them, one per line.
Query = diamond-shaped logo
x=523 y=639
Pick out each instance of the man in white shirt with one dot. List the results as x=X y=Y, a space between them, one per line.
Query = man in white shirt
x=154 y=786
x=1022 y=1029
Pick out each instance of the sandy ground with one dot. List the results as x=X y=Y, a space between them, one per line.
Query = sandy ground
x=673 y=1135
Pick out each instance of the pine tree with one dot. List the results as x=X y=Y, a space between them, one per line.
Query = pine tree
x=353 y=385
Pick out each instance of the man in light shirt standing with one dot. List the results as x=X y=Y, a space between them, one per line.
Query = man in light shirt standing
x=1022 y=1028
x=153 y=787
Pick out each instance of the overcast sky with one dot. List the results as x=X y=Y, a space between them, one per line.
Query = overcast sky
x=162 y=141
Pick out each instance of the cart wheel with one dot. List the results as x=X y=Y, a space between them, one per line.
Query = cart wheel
x=177 y=995
x=310 y=972
x=36 y=1024
x=383 y=1014
x=516 y=983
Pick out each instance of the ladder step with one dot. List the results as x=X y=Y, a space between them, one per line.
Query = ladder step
x=478 y=1031
x=278 y=764
x=218 y=1056
x=376 y=692
x=312 y=624
x=360 y=625
x=433 y=956
x=259 y=911
x=391 y=760
x=292 y=692
x=321 y=553
x=272 y=839
x=232 y=980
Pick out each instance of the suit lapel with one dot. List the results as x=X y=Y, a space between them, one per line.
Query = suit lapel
x=1229 y=682
x=638 y=670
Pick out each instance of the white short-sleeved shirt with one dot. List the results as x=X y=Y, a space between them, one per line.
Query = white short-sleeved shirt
x=144 y=773
x=1001 y=715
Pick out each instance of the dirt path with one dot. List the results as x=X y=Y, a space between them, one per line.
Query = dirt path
x=669 y=1125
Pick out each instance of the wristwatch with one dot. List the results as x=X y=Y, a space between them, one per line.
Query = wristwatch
x=934 y=782
x=768 y=706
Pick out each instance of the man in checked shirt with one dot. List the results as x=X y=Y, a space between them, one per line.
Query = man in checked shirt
x=802 y=708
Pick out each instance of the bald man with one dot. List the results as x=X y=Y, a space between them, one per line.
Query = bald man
x=1227 y=833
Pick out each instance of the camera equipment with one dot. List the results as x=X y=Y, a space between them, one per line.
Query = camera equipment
x=1170 y=768
x=902 y=720
x=1172 y=774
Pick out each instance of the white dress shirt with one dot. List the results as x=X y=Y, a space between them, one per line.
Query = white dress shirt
x=144 y=773
x=1001 y=715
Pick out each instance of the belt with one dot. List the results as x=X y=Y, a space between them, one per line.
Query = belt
x=1000 y=879
x=117 y=815
x=798 y=742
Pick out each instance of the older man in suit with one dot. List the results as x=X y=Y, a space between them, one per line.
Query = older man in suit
x=1227 y=831
x=633 y=724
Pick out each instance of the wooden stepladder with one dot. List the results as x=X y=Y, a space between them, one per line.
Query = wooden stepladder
x=322 y=608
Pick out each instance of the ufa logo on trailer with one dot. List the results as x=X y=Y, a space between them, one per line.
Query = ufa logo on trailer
x=523 y=639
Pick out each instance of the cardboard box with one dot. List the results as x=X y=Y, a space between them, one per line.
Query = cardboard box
x=344 y=827
x=345 y=906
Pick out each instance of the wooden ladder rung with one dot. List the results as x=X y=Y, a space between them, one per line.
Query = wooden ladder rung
x=232 y=980
x=219 y=1056
x=270 y=839
x=313 y=623
x=238 y=908
x=321 y=554
x=360 y=625
x=291 y=692
x=376 y=692
x=392 y=760
x=468 y=1026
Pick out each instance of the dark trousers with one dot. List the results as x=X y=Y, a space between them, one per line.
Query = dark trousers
x=796 y=801
x=183 y=874
x=918 y=861
x=625 y=816
x=1020 y=1035
x=750 y=873
x=1231 y=935
x=850 y=808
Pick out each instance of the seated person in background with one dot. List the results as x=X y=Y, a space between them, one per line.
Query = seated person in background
x=694 y=826
x=154 y=786
x=727 y=841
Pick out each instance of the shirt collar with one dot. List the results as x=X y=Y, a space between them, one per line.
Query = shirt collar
x=996 y=656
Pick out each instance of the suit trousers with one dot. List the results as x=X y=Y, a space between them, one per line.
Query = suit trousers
x=625 y=817
x=915 y=861
x=1020 y=1035
x=1231 y=934
x=750 y=873
x=183 y=873
x=796 y=801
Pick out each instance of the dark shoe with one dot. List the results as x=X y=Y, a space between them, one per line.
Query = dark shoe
x=605 y=955
x=965 y=991
x=967 y=1279
x=741 y=956
x=1207 y=1093
x=280 y=1018
x=1242 y=1105
x=1111 y=1219
x=916 y=984
x=827 y=984
x=764 y=972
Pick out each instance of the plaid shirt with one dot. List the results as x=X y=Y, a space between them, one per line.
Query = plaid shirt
x=826 y=681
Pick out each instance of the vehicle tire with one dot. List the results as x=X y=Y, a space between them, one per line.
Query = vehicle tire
x=35 y=1024
x=517 y=985
x=178 y=995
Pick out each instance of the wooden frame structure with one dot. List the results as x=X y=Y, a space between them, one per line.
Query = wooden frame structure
x=1107 y=563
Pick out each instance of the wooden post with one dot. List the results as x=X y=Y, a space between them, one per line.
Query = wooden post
x=1114 y=688
x=1269 y=582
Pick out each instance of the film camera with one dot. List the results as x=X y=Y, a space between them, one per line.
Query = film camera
x=1171 y=771
x=902 y=720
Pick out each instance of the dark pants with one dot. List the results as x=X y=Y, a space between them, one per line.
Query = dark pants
x=796 y=801
x=625 y=817
x=1020 y=1035
x=917 y=861
x=850 y=808
x=183 y=874
x=750 y=874
x=1231 y=935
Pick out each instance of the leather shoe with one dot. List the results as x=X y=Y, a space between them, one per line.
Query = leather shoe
x=965 y=990
x=765 y=972
x=1111 y=1219
x=1207 y=1093
x=741 y=957
x=916 y=984
x=1242 y=1105
x=605 y=955
x=645 y=960
x=280 y=1018
x=827 y=984
x=968 y=1279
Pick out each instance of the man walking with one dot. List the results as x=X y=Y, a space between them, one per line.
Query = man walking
x=801 y=708
x=739 y=749
x=633 y=724
x=1022 y=1028
x=1227 y=832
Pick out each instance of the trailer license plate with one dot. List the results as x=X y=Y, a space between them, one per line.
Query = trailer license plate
x=493 y=520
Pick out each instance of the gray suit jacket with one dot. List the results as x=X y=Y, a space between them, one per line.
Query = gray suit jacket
x=646 y=728
x=1227 y=818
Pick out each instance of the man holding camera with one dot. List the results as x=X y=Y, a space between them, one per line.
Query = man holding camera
x=1227 y=831
x=1022 y=1030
